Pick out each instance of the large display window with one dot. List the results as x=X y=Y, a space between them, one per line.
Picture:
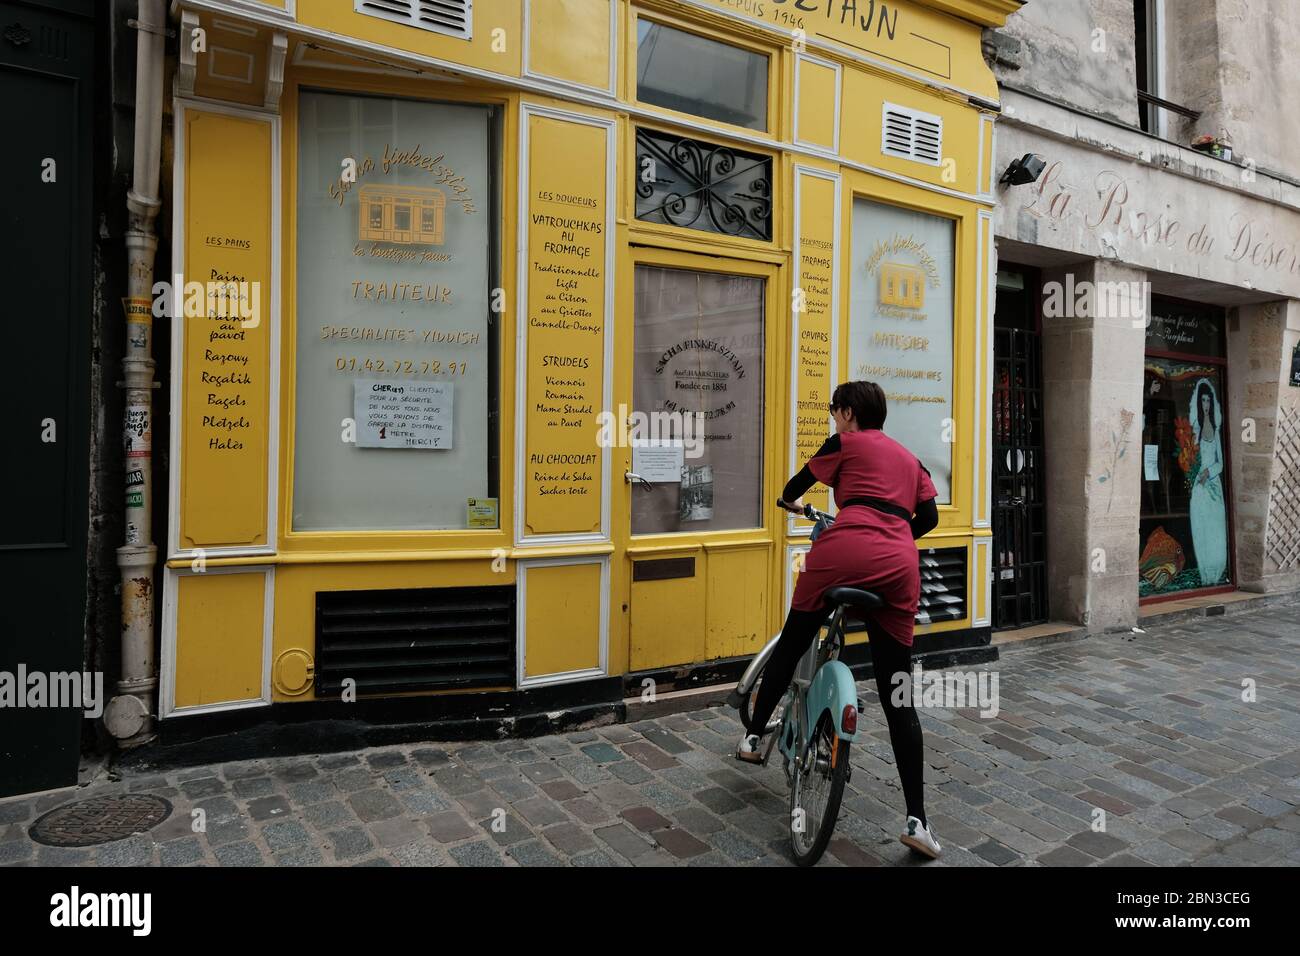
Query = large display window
x=901 y=327
x=397 y=399
x=1184 y=529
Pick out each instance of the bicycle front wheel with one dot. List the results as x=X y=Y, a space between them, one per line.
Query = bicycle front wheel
x=818 y=788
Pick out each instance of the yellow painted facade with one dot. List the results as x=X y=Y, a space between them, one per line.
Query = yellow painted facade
x=244 y=575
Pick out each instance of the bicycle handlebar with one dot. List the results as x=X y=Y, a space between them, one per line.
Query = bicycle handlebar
x=809 y=512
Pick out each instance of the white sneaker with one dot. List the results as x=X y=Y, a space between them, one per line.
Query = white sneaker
x=748 y=749
x=920 y=839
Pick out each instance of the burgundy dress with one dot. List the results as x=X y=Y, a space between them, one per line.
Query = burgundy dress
x=864 y=547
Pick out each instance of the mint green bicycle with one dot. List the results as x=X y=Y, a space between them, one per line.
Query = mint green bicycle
x=817 y=720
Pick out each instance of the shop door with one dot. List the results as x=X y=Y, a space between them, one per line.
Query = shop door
x=46 y=58
x=1019 y=508
x=700 y=517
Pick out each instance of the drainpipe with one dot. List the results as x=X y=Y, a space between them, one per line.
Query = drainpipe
x=129 y=716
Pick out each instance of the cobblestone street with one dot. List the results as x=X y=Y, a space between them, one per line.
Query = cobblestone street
x=1150 y=728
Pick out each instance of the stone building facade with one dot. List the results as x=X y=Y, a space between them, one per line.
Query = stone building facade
x=1140 y=279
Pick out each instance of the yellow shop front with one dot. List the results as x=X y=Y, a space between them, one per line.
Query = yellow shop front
x=518 y=316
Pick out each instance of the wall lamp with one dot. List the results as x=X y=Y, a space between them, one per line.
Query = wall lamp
x=1024 y=170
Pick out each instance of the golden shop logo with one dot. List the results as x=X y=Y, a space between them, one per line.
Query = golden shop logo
x=77 y=909
x=224 y=297
x=403 y=215
x=903 y=286
x=60 y=690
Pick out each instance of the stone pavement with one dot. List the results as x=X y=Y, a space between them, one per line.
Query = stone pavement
x=1151 y=728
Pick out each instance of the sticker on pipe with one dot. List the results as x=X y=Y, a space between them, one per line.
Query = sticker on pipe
x=392 y=414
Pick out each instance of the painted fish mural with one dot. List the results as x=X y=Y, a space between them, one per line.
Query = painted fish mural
x=1161 y=560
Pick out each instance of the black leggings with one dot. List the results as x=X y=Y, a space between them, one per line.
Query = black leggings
x=889 y=657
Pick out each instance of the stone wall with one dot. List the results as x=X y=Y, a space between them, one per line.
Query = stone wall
x=1062 y=55
x=1234 y=60
x=1092 y=383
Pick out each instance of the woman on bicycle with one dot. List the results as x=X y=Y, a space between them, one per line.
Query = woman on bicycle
x=886 y=501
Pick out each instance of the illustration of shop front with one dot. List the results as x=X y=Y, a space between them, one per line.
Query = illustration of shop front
x=430 y=470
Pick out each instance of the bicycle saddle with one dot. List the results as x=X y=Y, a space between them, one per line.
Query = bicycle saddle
x=855 y=597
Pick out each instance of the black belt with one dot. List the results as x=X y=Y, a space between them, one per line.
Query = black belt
x=880 y=504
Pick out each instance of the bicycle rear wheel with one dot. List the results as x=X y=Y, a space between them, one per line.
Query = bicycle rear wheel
x=816 y=793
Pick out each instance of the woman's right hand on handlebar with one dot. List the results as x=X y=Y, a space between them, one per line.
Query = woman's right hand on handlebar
x=794 y=506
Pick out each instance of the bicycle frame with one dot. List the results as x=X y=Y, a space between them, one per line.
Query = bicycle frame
x=822 y=684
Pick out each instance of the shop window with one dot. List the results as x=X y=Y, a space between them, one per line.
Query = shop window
x=693 y=74
x=397 y=399
x=901 y=327
x=699 y=185
x=698 y=341
x=1185 y=541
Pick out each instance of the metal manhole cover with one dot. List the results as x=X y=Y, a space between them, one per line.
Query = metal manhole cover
x=100 y=820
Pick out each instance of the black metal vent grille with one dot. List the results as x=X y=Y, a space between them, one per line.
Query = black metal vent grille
x=943 y=585
x=410 y=640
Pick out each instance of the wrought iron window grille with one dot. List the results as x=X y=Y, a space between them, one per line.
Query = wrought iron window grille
x=697 y=185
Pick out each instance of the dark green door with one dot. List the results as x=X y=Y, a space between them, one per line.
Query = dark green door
x=46 y=66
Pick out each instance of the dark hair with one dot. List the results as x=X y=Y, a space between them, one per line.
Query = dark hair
x=1203 y=390
x=866 y=400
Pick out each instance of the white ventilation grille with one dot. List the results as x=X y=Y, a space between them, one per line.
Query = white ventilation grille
x=452 y=17
x=912 y=135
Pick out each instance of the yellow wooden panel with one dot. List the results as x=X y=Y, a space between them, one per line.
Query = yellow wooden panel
x=566 y=328
x=737 y=604
x=818 y=85
x=219 y=631
x=226 y=371
x=860 y=130
x=668 y=621
x=815 y=378
x=233 y=65
x=569 y=40
x=561 y=619
x=496 y=43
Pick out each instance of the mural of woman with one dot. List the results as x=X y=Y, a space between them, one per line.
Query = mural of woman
x=1208 y=508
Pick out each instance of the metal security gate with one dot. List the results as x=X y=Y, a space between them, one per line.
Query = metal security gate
x=1019 y=512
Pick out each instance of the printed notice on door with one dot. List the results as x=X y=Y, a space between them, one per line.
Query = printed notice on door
x=403 y=414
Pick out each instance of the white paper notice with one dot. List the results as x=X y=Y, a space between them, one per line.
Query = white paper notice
x=393 y=414
x=659 y=462
x=1151 y=462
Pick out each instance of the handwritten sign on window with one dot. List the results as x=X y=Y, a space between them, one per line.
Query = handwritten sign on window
x=403 y=414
